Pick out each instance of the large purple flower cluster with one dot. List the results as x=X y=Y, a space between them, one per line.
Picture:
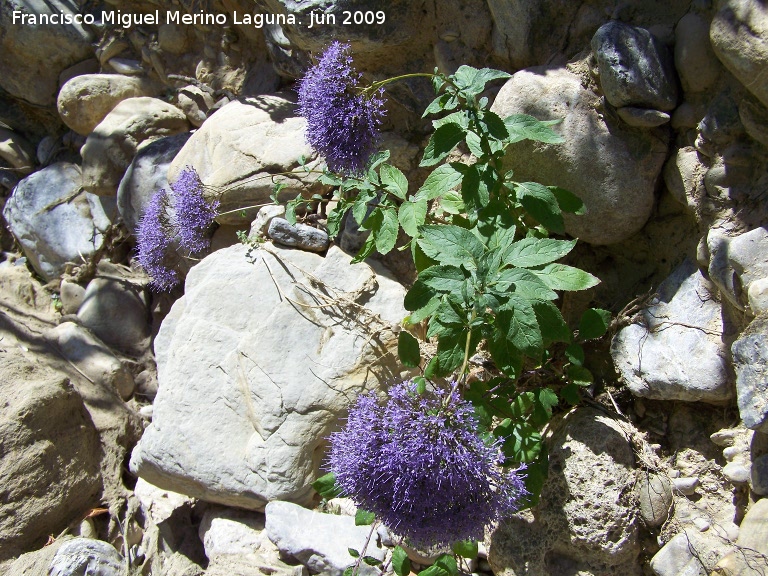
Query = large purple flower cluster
x=342 y=122
x=419 y=463
x=188 y=228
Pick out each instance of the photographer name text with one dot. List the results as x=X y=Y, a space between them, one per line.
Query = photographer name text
x=128 y=20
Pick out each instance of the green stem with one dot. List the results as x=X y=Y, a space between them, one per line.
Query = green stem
x=380 y=83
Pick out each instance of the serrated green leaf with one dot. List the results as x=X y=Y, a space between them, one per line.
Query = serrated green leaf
x=363 y=517
x=504 y=354
x=394 y=181
x=386 y=235
x=335 y=218
x=575 y=354
x=522 y=325
x=444 y=278
x=551 y=322
x=475 y=144
x=459 y=117
x=419 y=296
x=594 y=323
x=452 y=203
x=540 y=202
x=424 y=312
x=568 y=201
x=408 y=349
x=450 y=351
x=400 y=562
x=440 y=181
x=546 y=399
x=412 y=215
x=466 y=549
x=491 y=123
x=474 y=187
x=523 y=283
x=354 y=553
x=472 y=81
x=442 y=103
x=378 y=158
x=522 y=442
x=326 y=486
x=361 y=207
x=579 y=375
x=530 y=252
x=451 y=245
x=448 y=563
x=564 y=277
x=524 y=127
x=443 y=140
x=570 y=393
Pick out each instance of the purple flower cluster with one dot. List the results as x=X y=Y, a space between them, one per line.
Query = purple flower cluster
x=419 y=464
x=154 y=242
x=194 y=215
x=188 y=228
x=342 y=122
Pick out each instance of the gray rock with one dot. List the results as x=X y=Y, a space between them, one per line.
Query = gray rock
x=50 y=455
x=737 y=472
x=654 y=494
x=739 y=35
x=196 y=104
x=695 y=61
x=83 y=556
x=736 y=262
x=85 y=100
x=298 y=235
x=677 y=351
x=677 y=558
x=147 y=174
x=686 y=486
x=586 y=519
x=17 y=152
x=759 y=480
x=33 y=55
x=71 y=296
x=750 y=359
x=635 y=68
x=52 y=219
x=238 y=151
x=319 y=541
x=754 y=528
x=229 y=531
x=684 y=175
x=642 y=117
x=92 y=358
x=603 y=161
x=260 y=226
x=110 y=148
x=252 y=383
x=757 y=296
x=115 y=311
x=146 y=384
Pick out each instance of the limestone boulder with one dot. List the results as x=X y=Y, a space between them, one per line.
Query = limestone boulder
x=613 y=168
x=677 y=351
x=112 y=145
x=239 y=149
x=257 y=362
x=85 y=100
x=53 y=219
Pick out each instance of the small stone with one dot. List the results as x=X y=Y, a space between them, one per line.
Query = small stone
x=674 y=558
x=126 y=66
x=260 y=225
x=759 y=477
x=725 y=437
x=685 y=486
x=86 y=556
x=87 y=529
x=757 y=295
x=702 y=524
x=642 y=117
x=71 y=295
x=196 y=104
x=146 y=384
x=298 y=235
x=654 y=493
x=731 y=452
x=737 y=473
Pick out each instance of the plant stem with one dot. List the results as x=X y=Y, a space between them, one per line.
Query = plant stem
x=380 y=83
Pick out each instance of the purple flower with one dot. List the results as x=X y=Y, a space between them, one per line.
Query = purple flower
x=194 y=215
x=342 y=122
x=419 y=463
x=154 y=242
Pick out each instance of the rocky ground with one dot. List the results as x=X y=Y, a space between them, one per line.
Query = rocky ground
x=179 y=433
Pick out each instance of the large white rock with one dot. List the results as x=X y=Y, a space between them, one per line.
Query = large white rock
x=677 y=351
x=256 y=364
x=238 y=150
x=613 y=168
x=53 y=220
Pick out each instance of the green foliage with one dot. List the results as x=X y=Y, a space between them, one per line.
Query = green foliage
x=400 y=562
x=364 y=518
x=326 y=486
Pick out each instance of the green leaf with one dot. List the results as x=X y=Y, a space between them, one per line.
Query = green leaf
x=475 y=144
x=524 y=283
x=364 y=518
x=371 y=561
x=594 y=323
x=522 y=326
x=419 y=296
x=491 y=123
x=551 y=322
x=530 y=252
x=459 y=117
x=444 y=278
x=441 y=180
x=472 y=81
x=535 y=475
x=394 y=181
x=522 y=442
x=568 y=201
x=421 y=384
x=326 y=486
x=443 y=102
x=378 y=158
x=408 y=350
x=386 y=235
x=412 y=215
x=504 y=354
x=400 y=562
x=466 y=549
x=580 y=375
x=570 y=393
x=564 y=277
x=349 y=571
x=424 y=312
x=445 y=565
x=363 y=204
x=540 y=202
x=335 y=217
x=575 y=354
x=524 y=127
x=546 y=399
x=368 y=247
x=474 y=187
x=354 y=553
x=442 y=142
x=452 y=203
x=451 y=245
x=450 y=351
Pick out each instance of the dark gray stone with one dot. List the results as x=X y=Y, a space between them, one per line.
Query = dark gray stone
x=86 y=556
x=635 y=68
x=750 y=359
x=298 y=235
x=642 y=117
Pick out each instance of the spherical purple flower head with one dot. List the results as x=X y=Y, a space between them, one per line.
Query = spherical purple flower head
x=419 y=463
x=194 y=215
x=154 y=243
x=342 y=122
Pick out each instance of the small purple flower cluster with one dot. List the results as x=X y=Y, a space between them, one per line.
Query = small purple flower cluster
x=342 y=122
x=156 y=232
x=419 y=464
